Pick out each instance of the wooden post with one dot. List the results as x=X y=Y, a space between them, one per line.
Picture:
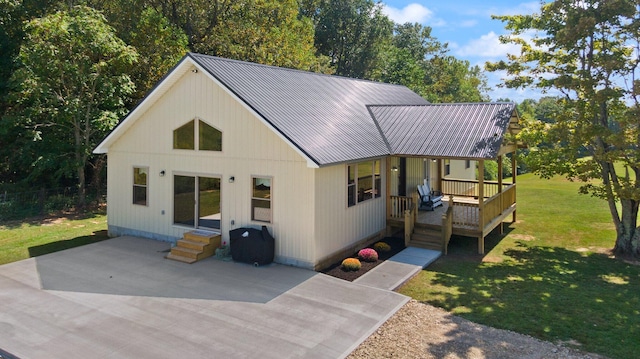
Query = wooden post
x=481 y=206
x=388 y=185
x=408 y=228
x=439 y=173
x=500 y=190
x=514 y=174
x=416 y=203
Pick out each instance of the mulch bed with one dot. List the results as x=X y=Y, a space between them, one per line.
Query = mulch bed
x=335 y=270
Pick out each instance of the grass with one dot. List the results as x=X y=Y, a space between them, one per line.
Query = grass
x=550 y=276
x=30 y=238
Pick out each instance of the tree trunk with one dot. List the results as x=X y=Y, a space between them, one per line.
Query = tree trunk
x=628 y=234
x=80 y=162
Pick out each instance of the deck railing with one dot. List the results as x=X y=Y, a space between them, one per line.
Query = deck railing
x=398 y=205
x=465 y=214
x=447 y=226
x=469 y=188
x=499 y=202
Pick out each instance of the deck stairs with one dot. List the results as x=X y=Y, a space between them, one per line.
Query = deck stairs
x=427 y=237
x=194 y=246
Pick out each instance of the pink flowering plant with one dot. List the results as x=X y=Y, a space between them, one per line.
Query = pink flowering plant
x=351 y=264
x=368 y=255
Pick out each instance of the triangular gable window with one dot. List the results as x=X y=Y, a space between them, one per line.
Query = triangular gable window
x=209 y=138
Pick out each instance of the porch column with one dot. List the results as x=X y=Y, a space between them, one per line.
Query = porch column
x=439 y=174
x=500 y=189
x=388 y=185
x=481 y=206
x=514 y=174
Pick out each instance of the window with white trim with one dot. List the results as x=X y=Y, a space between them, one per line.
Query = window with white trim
x=261 y=199
x=140 y=185
x=209 y=137
x=363 y=182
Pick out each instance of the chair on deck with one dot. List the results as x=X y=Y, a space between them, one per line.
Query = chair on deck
x=429 y=199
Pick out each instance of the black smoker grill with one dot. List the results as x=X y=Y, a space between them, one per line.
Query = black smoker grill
x=250 y=245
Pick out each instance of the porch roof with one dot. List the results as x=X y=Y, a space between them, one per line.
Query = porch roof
x=464 y=130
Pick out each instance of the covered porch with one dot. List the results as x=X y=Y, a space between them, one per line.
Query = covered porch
x=444 y=148
x=471 y=208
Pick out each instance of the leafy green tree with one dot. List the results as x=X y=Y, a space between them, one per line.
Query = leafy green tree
x=588 y=52
x=264 y=31
x=70 y=90
x=419 y=61
x=160 y=44
x=352 y=33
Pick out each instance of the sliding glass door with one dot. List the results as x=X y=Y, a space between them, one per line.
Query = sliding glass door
x=196 y=201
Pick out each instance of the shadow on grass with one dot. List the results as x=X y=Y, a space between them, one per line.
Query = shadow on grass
x=52 y=218
x=67 y=243
x=585 y=299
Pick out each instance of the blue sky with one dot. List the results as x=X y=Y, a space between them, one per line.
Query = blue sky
x=468 y=28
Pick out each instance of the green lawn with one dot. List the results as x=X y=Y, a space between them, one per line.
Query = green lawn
x=549 y=276
x=31 y=238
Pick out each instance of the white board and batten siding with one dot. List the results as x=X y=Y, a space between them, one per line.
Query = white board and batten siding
x=249 y=149
x=337 y=225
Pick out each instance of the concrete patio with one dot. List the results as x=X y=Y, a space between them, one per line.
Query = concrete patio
x=121 y=299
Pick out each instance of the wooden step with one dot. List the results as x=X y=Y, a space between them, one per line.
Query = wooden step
x=425 y=245
x=192 y=253
x=180 y=258
x=185 y=243
x=201 y=236
x=426 y=238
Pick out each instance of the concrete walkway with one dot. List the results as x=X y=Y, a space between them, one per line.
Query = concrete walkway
x=121 y=299
x=398 y=269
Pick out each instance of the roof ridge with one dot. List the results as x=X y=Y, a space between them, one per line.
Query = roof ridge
x=195 y=55
x=444 y=104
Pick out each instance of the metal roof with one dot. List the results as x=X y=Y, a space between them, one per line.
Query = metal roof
x=326 y=117
x=468 y=130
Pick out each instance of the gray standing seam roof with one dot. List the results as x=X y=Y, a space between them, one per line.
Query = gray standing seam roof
x=336 y=119
x=326 y=117
x=465 y=130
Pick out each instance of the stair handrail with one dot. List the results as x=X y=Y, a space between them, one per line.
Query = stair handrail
x=447 y=225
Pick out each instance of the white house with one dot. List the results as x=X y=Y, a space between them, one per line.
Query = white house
x=220 y=144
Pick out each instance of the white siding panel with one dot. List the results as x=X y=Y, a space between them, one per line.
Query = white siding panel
x=339 y=226
x=415 y=174
x=248 y=148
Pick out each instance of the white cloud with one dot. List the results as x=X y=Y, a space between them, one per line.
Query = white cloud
x=468 y=23
x=487 y=46
x=410 y=13
x=523 y=8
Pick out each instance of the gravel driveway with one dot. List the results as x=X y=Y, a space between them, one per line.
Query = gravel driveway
x=422 y=331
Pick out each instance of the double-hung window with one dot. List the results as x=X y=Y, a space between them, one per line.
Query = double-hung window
x=261 y=199
x=140 y=185
x=363 y=182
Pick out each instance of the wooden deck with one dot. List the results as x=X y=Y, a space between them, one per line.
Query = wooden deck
x=468 y=217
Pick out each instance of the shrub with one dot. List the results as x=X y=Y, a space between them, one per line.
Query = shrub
x=368 y=255
x=351 y=264
x=382 y=247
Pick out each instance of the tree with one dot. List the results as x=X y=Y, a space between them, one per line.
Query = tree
x=159 y=44
x=352 y=34
x=419 y=61
x=269 y=32
x=70 y=90
x=587 y=51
